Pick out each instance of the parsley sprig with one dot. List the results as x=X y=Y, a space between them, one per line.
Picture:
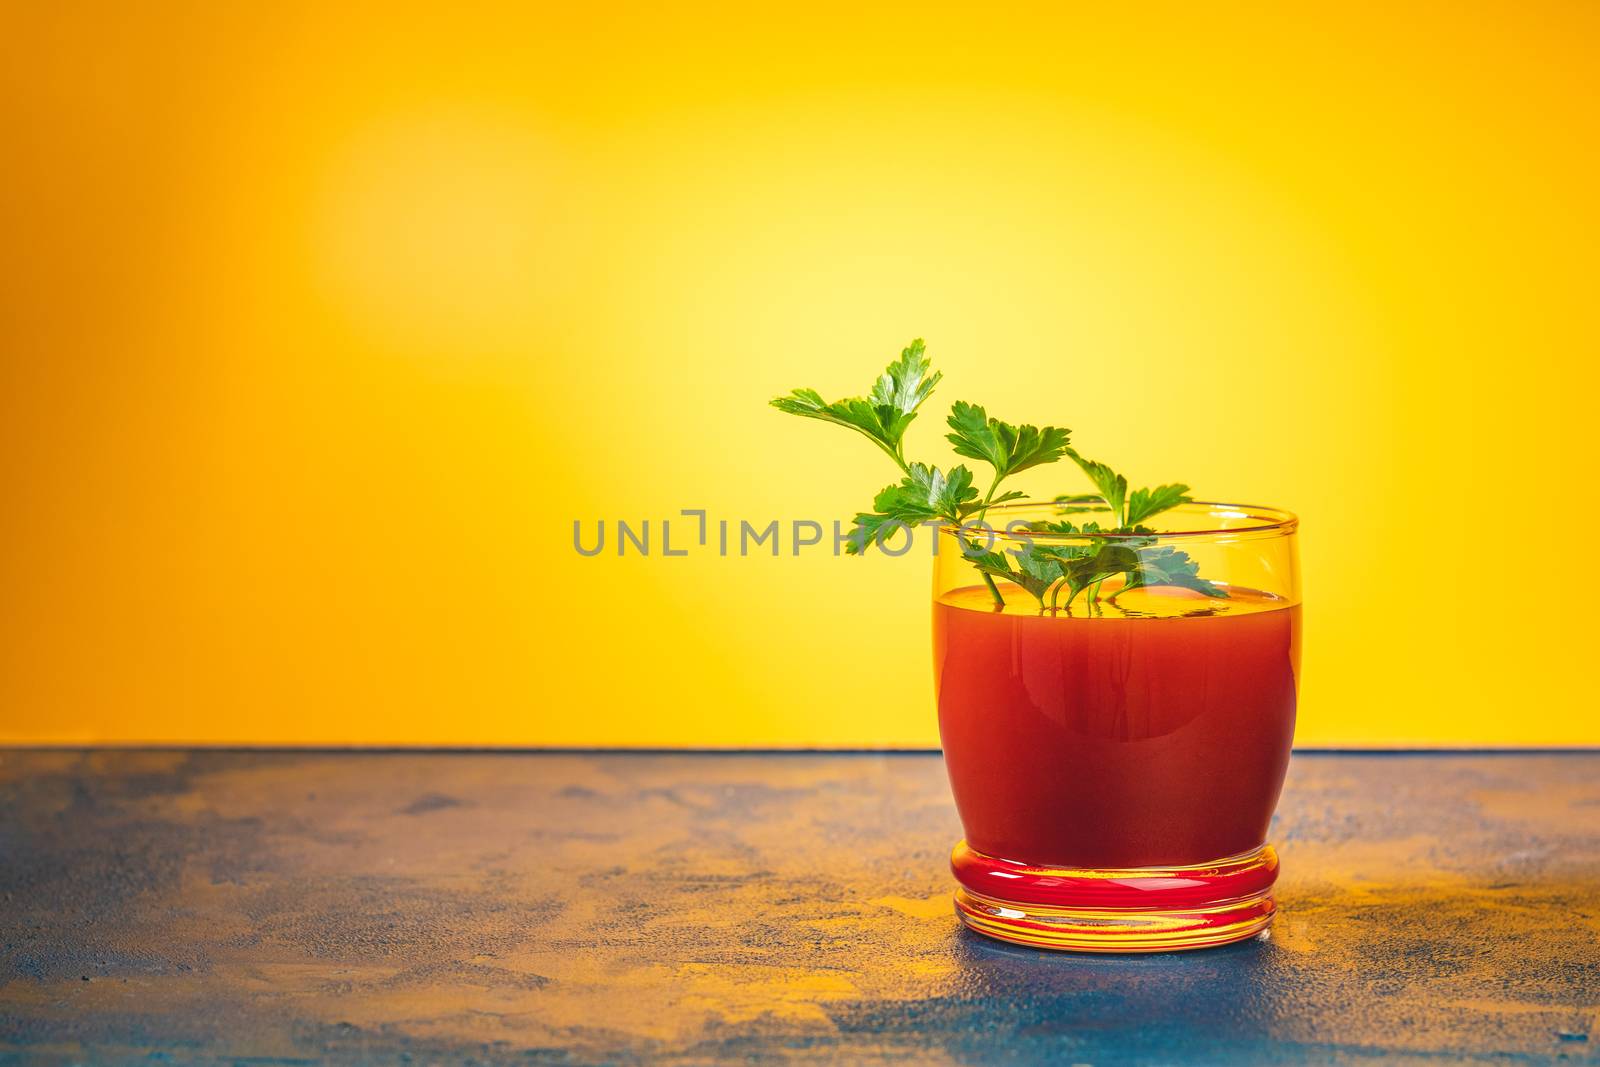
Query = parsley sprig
x=931 y=494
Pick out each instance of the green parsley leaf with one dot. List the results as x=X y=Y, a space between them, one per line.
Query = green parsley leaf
x=1034 y=572
x=1105 y=561
x=924 y=494
x=1147 y=502
x=986 y=560
x=906 y=383
x=885 y=414
x=1006 y=448
x=943 y=494
x=1170 y=566
x=1113 y=486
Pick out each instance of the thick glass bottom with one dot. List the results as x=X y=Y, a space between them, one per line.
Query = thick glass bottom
x=1138 y=909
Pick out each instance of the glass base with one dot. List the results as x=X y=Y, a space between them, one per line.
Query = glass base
x=1137 y=909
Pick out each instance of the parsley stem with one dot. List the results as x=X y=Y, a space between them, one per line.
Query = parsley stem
x=988 y=579
x=893 y=454
x=987 y=497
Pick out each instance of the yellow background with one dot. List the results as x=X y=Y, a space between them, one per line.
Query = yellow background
x=320 y=328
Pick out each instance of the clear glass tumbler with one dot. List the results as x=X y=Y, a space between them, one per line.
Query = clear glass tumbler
x=1117 y=737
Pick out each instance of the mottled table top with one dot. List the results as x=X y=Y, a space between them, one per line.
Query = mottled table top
x=292 y=908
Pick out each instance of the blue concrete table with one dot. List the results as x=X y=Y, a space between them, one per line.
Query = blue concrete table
x=292 y=908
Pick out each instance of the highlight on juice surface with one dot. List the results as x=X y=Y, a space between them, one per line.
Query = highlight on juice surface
x=1116 y=672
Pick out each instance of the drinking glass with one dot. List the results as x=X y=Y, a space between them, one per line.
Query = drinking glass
x=1116 y=749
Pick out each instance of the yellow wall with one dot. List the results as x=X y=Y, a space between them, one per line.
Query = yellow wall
x=319 y=329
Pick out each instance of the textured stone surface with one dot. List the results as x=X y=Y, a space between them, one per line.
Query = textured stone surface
x=212 y=907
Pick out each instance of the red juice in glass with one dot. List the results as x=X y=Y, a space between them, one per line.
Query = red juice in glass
x=1151 y=738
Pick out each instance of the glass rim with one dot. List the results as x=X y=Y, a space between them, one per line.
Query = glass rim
x=1270 y=520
